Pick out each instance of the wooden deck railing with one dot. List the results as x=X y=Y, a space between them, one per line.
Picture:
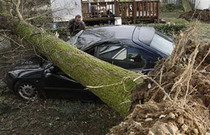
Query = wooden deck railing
x=131 y=11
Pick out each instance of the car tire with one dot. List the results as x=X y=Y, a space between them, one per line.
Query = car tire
x=27 y=90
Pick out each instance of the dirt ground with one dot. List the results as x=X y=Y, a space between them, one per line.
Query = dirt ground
x=53 y=117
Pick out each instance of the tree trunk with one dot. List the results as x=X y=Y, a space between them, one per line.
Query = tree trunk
x=110 y=83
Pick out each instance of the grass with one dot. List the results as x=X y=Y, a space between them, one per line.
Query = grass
x=54 y=116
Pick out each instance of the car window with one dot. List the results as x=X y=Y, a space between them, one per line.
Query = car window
x=112 y=52
x=162 y=44
x=135 y=58
x=129 y=58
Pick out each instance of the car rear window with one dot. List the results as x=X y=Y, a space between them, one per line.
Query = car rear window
x=162 y=44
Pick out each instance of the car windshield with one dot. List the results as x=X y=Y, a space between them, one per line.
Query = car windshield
x=162 y=44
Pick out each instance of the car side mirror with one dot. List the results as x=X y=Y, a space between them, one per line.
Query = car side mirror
x=47 y=75
x=52 y=68
x=49 y=65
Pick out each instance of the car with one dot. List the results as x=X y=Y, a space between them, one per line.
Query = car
x=131 y=47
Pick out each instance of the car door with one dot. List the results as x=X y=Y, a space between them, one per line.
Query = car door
x=136 y=58
x=113 y=53
x=55 y=79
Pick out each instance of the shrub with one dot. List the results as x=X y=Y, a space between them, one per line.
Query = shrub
x=170 y=29
x=164 y=7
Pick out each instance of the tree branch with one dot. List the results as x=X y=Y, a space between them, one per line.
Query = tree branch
x=17 y=6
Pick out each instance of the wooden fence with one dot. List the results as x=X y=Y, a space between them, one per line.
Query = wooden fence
x=129 y=11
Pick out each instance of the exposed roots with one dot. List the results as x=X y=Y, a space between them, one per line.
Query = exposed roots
x=176 y=94
x=164 y=118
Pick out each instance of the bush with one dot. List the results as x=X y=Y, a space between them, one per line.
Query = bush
x=170 y=7
x=169 y=30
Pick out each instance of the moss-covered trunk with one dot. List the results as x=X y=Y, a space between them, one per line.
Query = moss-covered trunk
x=111 y=84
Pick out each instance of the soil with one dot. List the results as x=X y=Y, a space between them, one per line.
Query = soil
x=203 y=15
x=161 y=119
x=54 y=117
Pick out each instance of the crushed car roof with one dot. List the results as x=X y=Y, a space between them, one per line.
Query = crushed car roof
x=118 y=32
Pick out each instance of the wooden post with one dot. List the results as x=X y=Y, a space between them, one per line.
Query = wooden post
x=149 y=7
x=158 y=11
x=134 y=11
x=116 y=5
x=82 y=9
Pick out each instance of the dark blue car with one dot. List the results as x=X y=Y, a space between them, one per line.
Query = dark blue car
x=131 y=47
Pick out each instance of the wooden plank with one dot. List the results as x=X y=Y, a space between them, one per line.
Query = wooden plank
x=134 y=11
x=158 y=12
x=143 y=9
x=117 y=8
x=140 y=9
x=154 y=10
x=149 y=6
x=97 y=19
x=146 y=8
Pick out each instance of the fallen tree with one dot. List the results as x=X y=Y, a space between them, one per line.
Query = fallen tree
x=111 y=83
x=175 y=102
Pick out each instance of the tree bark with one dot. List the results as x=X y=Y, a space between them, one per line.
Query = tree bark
x=110 y=83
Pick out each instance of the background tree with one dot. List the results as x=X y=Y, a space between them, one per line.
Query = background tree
x=186 y=5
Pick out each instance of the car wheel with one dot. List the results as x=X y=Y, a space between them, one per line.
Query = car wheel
x=27 y=90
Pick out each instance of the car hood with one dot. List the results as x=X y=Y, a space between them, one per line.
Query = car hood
x=28 y=66
x=25 y=70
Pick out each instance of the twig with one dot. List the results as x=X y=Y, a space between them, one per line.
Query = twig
x=14 y=50
x=34 y=17
x=203 y=59
x=5 y=30
x=3 y=35
x=155 y=82
x=17 y=6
